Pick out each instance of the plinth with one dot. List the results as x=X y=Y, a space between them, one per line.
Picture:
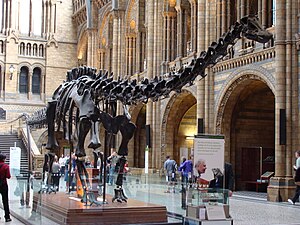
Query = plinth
x=280 y=189
x=63 y=209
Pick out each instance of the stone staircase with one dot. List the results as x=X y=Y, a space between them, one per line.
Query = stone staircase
x=9 y=140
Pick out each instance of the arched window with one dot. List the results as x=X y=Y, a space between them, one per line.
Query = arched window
x=28 y=49
x=23 y=82
x=41 y=51
x=34 y=50
x=36 y=81
x=1 y=47
x=22 y=48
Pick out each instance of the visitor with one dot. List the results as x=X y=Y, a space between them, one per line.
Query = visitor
x=170 y=166
x=55 y=173
x=62 y=162
x=186 y=169
x=4 y=175
x=112 y=160
x=297 y=179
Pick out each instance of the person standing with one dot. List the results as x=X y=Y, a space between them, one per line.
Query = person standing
x=62 y=163
x=112 y=159
x=170 y=166
x=186 y=169
x=55 y=173
x=297 y=179
x=4 y=175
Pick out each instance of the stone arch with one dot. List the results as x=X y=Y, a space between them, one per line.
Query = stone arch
x=175 y=100
x=26 y=64
x=234 y=79
x=134 y=111
x=129 y=15
x=245 y=113
x=232 y=82
x=82 y=48
x=106 y=16
x=41 y=66
x=136 y=156
x=42 y=140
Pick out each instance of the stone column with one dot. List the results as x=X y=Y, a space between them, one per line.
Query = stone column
x=168 y=50
x=242 y=8
x=138 y=53
x=280 y=75
x=264 y=11
x=179 y=31
x=159 y=59
x=289 y=45
x=173 y=36
x=101 y=58
x=29 y=95
x=218 y=18
x=4 y=18
x=278 y=189
x=259 y=9
x=201 y=47
x=8 y=22
x=115 y=44
x=224 y=18
x=150 y=49
x=295 y=89
x=92 y=48
x=48 y=19
x=194 y=10
x=44 y=26
x=229 y=14
x=14 y=10
x=238 y=13
x=133 y=55
x=43 y=87
x=52 y=19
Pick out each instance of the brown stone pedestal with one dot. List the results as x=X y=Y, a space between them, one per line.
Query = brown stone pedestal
x=63 y=209
x=280 y=189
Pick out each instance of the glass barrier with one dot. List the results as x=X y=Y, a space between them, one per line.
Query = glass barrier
x=43 y=199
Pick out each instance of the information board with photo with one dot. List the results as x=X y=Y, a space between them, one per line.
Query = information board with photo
x=211 y=149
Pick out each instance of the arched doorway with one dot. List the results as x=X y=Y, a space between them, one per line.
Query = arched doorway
x=140 y=139
x=249 y=128
x=179 y=122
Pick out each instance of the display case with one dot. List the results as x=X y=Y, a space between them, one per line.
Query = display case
x=207 y=206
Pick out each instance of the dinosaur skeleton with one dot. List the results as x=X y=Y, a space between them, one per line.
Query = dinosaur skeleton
x=84 y=99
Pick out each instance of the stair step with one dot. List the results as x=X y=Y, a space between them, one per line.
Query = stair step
x=7 y=141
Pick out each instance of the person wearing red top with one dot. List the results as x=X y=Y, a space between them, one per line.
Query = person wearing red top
x=4 y=175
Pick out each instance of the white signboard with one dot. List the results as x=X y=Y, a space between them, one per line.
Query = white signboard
x=15 y=160
x=146 y=160
x=209 y=148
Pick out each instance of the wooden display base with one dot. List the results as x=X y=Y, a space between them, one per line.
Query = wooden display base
x=64 y=209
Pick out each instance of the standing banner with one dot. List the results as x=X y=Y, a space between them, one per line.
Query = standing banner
x=209 y=148
x=15 y=160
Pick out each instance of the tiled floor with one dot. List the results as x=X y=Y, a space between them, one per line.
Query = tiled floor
x=246 y=208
